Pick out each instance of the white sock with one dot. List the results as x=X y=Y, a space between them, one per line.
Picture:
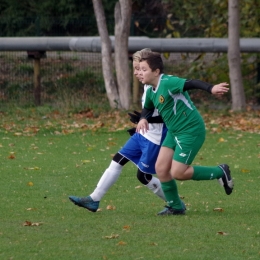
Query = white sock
x=108 y=178
x=155 y=186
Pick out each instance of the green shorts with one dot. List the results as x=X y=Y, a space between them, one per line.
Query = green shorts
x=185 y=146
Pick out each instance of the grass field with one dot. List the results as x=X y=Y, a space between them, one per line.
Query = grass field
x=42 y=163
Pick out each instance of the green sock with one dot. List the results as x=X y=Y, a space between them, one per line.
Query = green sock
x=171 y=194
x=206 y=173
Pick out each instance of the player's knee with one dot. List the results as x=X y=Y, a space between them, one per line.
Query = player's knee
x=120 y=159
x=162 y=169
x=143 y=177
x=183 y=172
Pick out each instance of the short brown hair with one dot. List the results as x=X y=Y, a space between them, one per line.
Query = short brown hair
x=154 y=60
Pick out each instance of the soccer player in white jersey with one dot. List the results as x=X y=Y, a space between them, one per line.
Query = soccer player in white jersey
x=186 y=130
x=142 y=149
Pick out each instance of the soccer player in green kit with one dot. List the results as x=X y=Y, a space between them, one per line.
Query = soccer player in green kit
x=186 y=130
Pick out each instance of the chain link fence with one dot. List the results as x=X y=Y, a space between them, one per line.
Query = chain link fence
x=76 y=79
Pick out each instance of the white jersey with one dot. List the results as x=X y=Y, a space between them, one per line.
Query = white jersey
x=154 y=134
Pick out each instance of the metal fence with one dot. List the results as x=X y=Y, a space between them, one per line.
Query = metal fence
x=58 y=71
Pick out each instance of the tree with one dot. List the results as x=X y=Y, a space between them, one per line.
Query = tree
x=234 y=62
x=122 y=30
x=118 y=96
x=106 y=51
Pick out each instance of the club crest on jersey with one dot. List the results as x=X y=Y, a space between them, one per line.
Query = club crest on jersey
x=161 y=99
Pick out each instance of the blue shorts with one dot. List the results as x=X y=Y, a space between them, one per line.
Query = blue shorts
x=142 y=152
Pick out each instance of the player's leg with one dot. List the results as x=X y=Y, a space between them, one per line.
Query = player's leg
x=108 y=178
x=146 y=166
x=130 y=151
x=151 y=182
x=185 y=154
x=163 y=166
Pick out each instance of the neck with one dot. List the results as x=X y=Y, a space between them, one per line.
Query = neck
x=154 y=83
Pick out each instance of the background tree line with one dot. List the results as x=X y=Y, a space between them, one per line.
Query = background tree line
x=153 y=18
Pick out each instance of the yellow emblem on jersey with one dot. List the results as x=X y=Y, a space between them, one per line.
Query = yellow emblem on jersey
x=161 y=99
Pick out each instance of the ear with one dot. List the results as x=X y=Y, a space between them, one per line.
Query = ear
x=157 y=72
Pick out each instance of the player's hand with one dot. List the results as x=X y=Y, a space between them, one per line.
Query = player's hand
x=134 y=118
x=131 y=131
x=142 y=126
x=220 y=89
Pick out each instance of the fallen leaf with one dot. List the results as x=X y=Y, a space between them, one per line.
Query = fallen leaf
x=112 y=236
x=36 y=224
x=221 y=140
x=11 y=156
x=85 y=161
x=126 y=227
x=245 y=170
x=111 y=207
x=34 y=168
x=221 y=233
x=29 y=223
x=218 y=209
x=121 y=243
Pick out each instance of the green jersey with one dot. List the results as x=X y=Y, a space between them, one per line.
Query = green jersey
x=174 y=105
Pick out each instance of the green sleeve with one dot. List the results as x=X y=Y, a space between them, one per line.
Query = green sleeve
x=177 y=84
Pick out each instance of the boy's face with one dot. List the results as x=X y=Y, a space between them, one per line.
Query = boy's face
x=147 y=76
x=136 y=68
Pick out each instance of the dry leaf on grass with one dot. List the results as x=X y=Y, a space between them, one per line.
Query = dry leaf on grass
x=218 y=209
x=222 y=233
x=112 y=236
x=111 y=207
x=127 y=228
x=11 y=156
x=121 y=243
x=29 y=223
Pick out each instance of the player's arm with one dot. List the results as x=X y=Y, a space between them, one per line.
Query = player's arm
x=135 y=118
x=218 y=89
x=155 y=120
x=142 y=125
x=146 y=113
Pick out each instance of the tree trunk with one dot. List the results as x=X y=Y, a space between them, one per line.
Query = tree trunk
x=107 y=61
x=123 y=11
x=234 y=62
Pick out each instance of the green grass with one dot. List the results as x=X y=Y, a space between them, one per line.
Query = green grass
x=59 y=165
